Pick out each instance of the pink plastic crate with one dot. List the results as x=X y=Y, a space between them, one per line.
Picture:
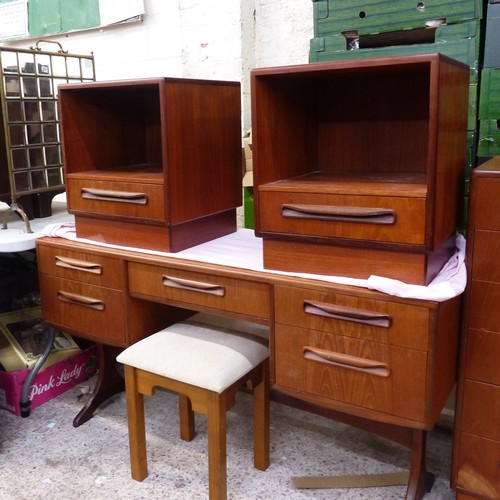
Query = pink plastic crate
x=48 y=383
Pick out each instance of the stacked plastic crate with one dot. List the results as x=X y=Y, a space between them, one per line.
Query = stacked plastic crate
x=489 y=100
x=373 y=28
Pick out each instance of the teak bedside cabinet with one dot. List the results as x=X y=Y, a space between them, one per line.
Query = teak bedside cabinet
x=153 y=163
x=359 y=165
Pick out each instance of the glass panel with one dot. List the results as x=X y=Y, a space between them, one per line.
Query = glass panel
x=29 y=87
x=45 y=87
x=34 y=133
x=58 y=66
x=48 y=110
x=73 y=67
x=50 y=132
x=19 y=159
x=37 y=179
x=9 y=61
x=52 y=156
x=36 y=157
x=54 y=177
x=16 y=133
x=14 y=111
x=21 y=182
x=43 y=64
x=31 y=111
x=12 y=86
x=56 y=85
x=27 y=63
x=87 y=69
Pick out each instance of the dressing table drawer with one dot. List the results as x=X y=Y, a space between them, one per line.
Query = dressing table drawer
x=382 y=321
x=369 y=375
x=199 y=290
x=81 y=266
x=88 y=311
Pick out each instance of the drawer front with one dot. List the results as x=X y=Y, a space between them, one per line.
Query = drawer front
x=381 y=321
x=487 y=215
x=127 y=199
x=193 y=289
x=478 y=397
x=484 y=306
x=482 y=356
x=375 y=218
x=485 y=255
x=332 y=366
x=479 y=466
x=80 y=266
x=86 y=310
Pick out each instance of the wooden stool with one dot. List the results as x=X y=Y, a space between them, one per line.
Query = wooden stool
x=205 y=365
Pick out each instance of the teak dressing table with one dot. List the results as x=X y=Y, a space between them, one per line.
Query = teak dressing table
x=362 y=357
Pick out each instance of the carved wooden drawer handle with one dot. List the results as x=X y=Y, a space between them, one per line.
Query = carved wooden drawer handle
x=347 y=361
x=339 y=213
x=347 y=314
x=78 y=265
x=194 y=286
x=80 y=300
x=110 y=195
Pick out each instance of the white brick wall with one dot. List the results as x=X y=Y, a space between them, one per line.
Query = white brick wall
x=216 y=39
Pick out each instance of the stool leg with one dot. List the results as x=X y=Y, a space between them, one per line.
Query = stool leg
x=186 y=417
x=217 y=462
x=261 y=419
x=136 y=426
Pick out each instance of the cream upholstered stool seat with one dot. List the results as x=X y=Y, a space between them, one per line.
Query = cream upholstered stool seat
x=206 y=364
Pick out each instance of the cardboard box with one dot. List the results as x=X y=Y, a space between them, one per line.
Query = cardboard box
x=489 y=97
x=489 y=138
x=23 y=340
x=49 y=382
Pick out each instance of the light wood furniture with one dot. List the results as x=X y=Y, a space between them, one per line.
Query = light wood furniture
x=152 y=163
x=476 y=454
x=372 y=360
x=359 y=165
x=176 y=359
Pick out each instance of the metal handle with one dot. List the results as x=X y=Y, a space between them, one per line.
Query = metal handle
x=194 y=286
x=344 y=313
x=339 y=359
x=80 y=300
x=36 y=46
x=111 y=195
x=339 y=213
x=78 y=265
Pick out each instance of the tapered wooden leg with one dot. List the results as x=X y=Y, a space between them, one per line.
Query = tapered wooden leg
x=261 y=420
x=420 y=480
x=136 y=426
x=186 y=417
x=217 y=462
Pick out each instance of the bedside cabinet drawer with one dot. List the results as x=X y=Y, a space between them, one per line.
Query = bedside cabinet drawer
x=366 y=374
x=113 y=198
x=193 y=290
x=376 y=320
x=484 y=313
x=89 y=311
x=80 y=266
x=375 y=218
x=486 y=250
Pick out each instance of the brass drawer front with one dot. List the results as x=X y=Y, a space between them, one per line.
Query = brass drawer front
x=193 y=289
x=380 y=321
x=375 y=218
x=80 y=266
x=90 y=311
x=366 y=374
x=127 y=199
